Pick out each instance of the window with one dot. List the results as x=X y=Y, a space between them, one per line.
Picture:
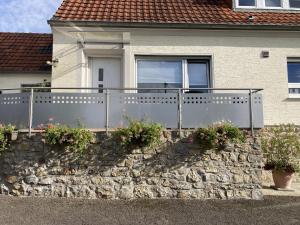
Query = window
x=172 y=73
x=247 y=2
x=294 y=78
x=269 y=4
x=100 y=80
x=295 y=4
x=273 y=3
x=198 y=74
x=159 y=74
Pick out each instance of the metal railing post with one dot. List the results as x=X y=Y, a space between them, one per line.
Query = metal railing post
x=251 y=111
x=179 y=111
x=107 y=111
x=30 y=113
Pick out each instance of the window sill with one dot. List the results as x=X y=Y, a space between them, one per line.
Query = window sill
x=265 y=9
x=294 y=96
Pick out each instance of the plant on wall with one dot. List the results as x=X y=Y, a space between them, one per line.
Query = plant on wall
x=219 y=135
x=5 y=136
x=139 y=134
x=74 y=139
x=281 y=146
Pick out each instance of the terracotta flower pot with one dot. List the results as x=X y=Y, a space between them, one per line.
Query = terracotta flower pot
x=282 y=179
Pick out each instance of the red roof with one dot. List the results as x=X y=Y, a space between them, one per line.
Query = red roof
x=25 y=52
x=168 y=11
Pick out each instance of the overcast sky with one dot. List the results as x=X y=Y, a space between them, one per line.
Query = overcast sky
x=26 y=15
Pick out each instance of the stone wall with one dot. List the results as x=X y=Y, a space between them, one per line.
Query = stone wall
x=176 y=169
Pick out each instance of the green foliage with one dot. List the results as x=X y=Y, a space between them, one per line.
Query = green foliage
x=75 y=139
x=281 y=146
x=139 y=134
x=5 y=133
x=218 y=135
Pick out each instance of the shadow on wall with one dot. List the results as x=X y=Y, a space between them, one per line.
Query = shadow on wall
x=176 y=169
x=100 y=158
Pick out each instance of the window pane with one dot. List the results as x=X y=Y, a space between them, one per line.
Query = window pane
x=159 y=74
x=273 y=3
x=198 y=75
x=295 y=3
x=294 y=72
x=101 y=72
x=246 y=2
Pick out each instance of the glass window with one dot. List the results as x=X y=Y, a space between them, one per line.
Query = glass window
x=273 y=3
x=173 y=73
x=247 y=2
x=198 y=75
x=294 y=3
x=159 y=74
x=294 y=72
x=101 y=72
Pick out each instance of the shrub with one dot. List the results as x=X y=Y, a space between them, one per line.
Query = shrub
x=139 y=134
x=281 y=146
x=5 y=133
x=75 y=139
x=218 y=135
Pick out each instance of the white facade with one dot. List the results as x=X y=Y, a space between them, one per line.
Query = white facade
x=235 y=59
x=15 y=80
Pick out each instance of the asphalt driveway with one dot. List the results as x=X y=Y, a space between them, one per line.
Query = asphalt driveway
x=37 y=211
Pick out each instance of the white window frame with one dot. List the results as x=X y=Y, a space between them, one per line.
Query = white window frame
x=261 y=4
x=293 y=85
x=185 y=78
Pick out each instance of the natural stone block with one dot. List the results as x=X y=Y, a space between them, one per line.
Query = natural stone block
x=11 y=179
x=143 y=192
x=46 y=181
x=32 y=179
x=193 y=177
x=126 y=192
x=106 y=192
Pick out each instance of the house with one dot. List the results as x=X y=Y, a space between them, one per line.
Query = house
x=250 y=48
x=189 y=44
x=23 y=59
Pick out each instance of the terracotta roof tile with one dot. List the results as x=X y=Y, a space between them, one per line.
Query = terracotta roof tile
x=25 y=52
x=167 y=11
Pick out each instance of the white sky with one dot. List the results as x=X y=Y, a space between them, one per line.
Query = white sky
x=26 y=15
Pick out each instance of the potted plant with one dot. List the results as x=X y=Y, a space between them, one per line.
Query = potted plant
x=281 y=146
x=9 y=132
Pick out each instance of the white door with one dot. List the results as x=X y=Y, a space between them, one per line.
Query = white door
x=106 y=72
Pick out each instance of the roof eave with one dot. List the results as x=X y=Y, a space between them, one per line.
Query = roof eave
x=35 y=72
x=249 y=26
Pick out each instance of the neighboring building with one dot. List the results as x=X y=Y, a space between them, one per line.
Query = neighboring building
x=176 y=43
x=23 y=58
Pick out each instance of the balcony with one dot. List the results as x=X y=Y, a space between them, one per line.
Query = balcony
x=110 y=109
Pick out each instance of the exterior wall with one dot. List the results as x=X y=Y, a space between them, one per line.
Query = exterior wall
x=14 y=80
x=176 y=169
x=236 y=59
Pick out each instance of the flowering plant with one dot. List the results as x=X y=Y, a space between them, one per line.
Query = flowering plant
x=219 y=134
x=5 y=132
x=139 y=134
x=75 y=139
x=281 y=146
